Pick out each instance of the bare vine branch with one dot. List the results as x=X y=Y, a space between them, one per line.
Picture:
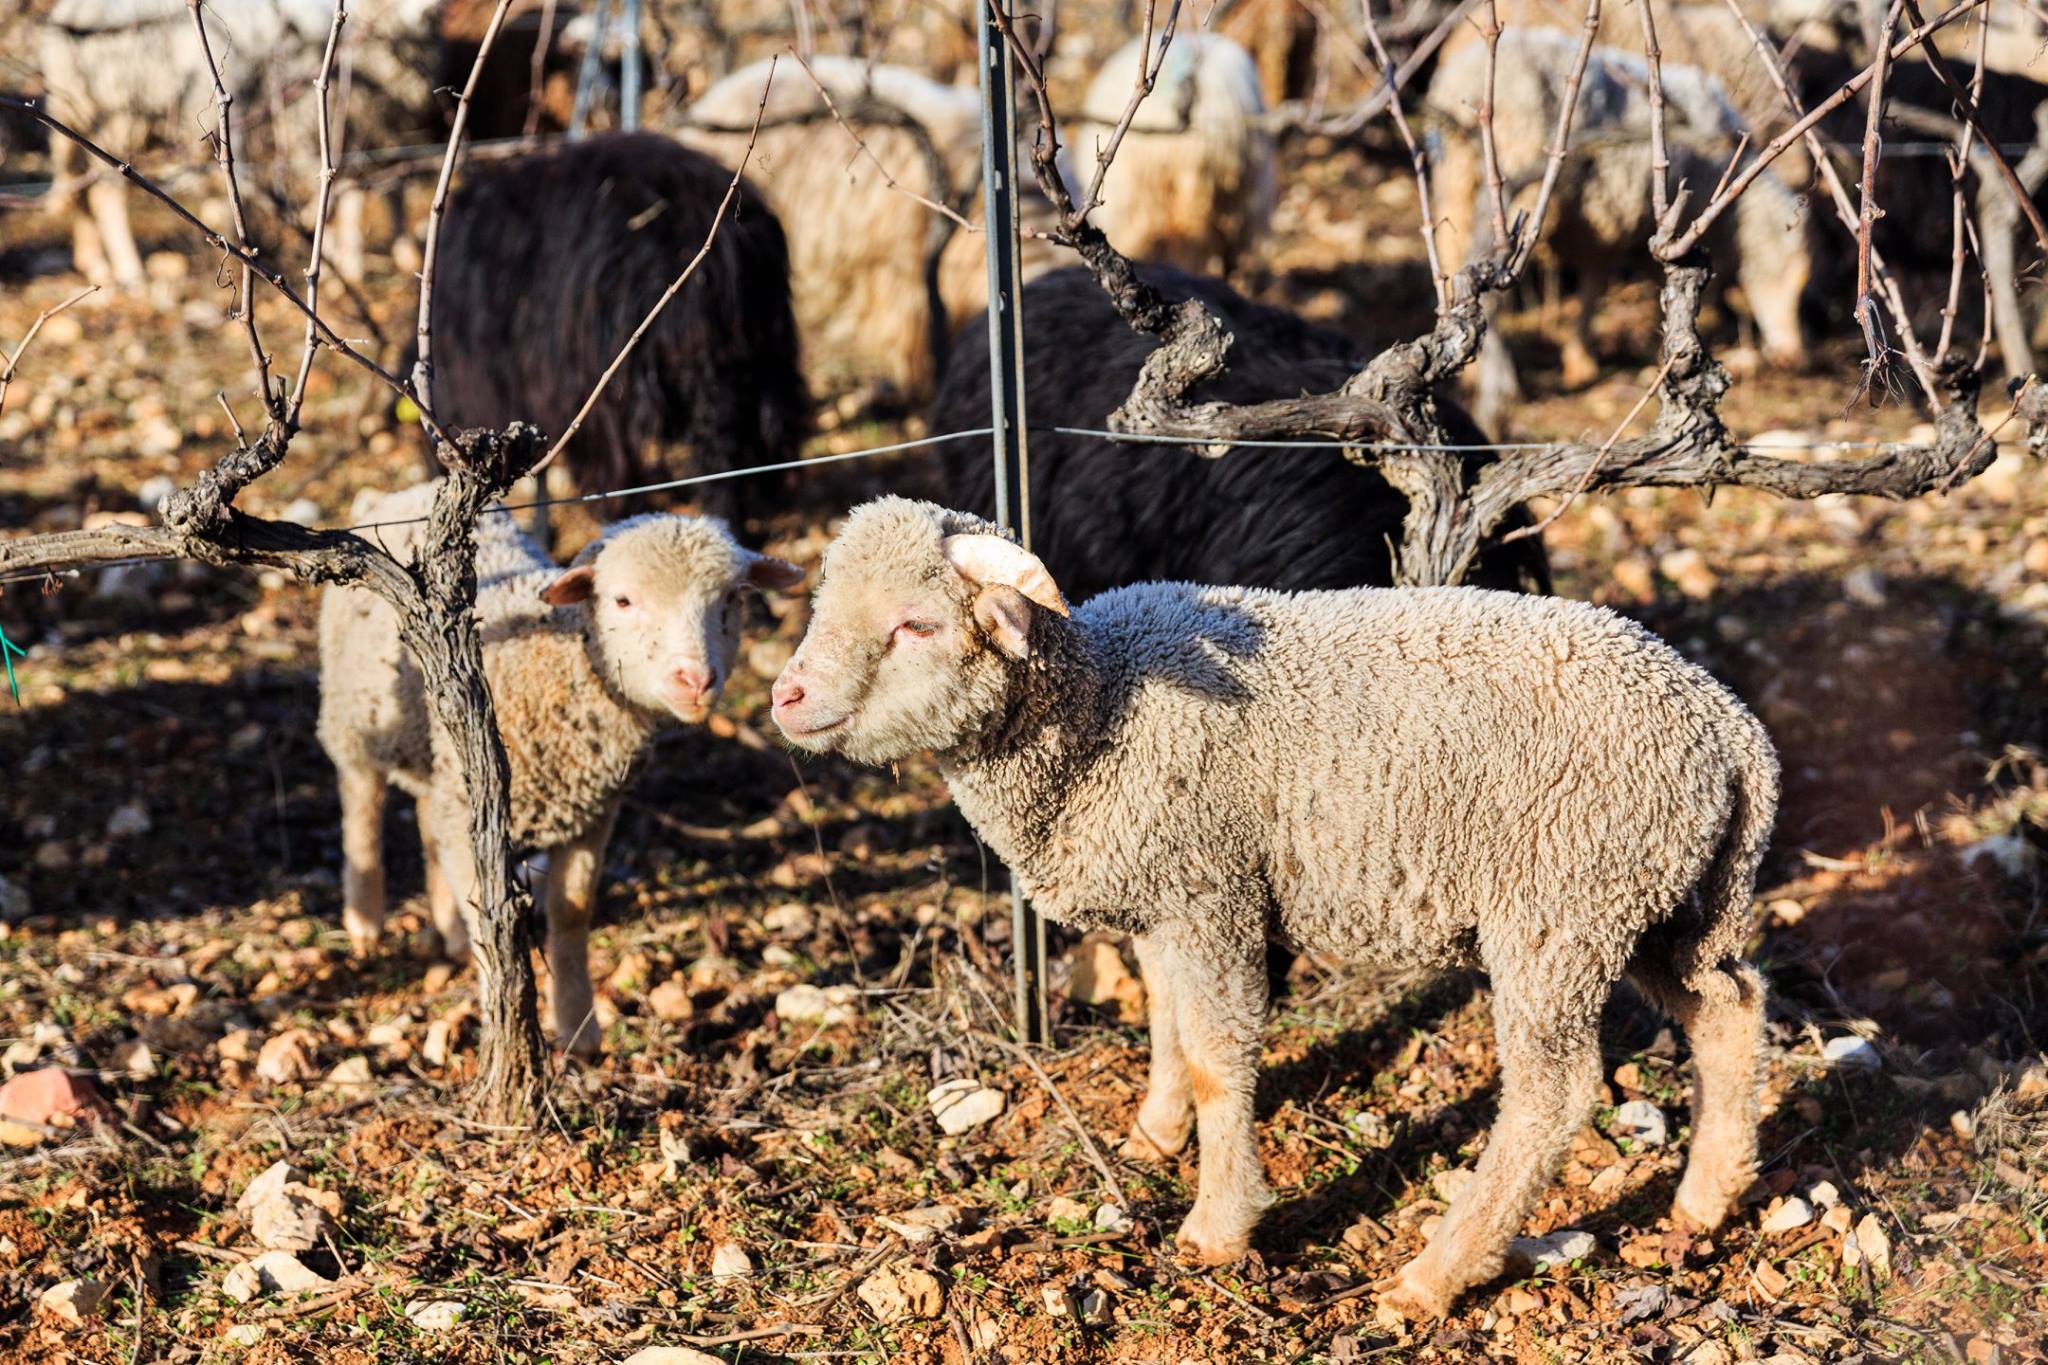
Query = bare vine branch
x=7 y=374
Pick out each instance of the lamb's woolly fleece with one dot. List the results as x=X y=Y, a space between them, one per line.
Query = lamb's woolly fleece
x=1192 y=182
x=1423 y=777
x=571 y=732
x=1415 y=776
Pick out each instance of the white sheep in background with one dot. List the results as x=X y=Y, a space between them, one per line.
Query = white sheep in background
x=1426 y=777
x=1601 y=210
x=132 y=76
x=869 y=300
x=585 y=664
x=1192 y=182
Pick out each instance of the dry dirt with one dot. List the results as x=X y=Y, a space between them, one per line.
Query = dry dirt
x=1897 y=652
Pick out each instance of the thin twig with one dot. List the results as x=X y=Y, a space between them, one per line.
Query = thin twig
x=1660 y=154
x=1149 y=65
x=1867 y=210
x=1489 y=154
x=732 y=189
x=423 y=366
x=1593 y=465
x=224 y=155
x=1419 y=161
x=1958 y=165
x=7 y=375
x=958 y=220
x=1561 y=135
x=297 y=403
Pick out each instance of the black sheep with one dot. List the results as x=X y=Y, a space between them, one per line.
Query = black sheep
x=547 y=264
x=1105 y=513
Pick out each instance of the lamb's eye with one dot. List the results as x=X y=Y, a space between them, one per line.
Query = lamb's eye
x=622 y=601
x=923 y=630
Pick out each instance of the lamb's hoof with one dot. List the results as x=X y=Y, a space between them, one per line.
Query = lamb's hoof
x=1146 y=1145
x=1198 y=1242
x=1698 y=1211
x=362 y=943
x=582 y=1046
x=1416 y=1296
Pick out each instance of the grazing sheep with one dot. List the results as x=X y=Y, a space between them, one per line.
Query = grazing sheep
x=1425 y=777
x=1192 y=183
x=1105 y=513
x=1602 y=200
x=585 y=664
x=132 y=76
x=547 y=265
x=1281 y=36
x=877 y=277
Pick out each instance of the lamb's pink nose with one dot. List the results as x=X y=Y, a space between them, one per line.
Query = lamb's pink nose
x=787 y=692
x=693 y=683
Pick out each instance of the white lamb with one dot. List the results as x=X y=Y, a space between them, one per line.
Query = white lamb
x=585 y=664
x=1427 y=777
x=1192 y=181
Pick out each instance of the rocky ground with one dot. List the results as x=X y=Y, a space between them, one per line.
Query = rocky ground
x=804 y=966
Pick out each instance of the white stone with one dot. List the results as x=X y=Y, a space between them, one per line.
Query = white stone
x=791 y=920
x=1851 y=1053
x=2008 y=853
x=436 y=1315
x=1642 y=1122
x=962 y=1104
x=154 y=490
x=269 y=1184
x=1822 y=1194
x=350 y=1073
x=274 y=1272
x=1539 y=1255
x=1095 y=1306
x=1447 y=1184
x=921 y=1225
x=73 y=1301
x=899 y=1292
x=302 y=512
x=290 y=1220
x=246 y=1334
x=1868 y=1244
x=1372 y=1130
x=1112 y=1218
x=128 y=821
x=1793 y=1213
x=730 y=1259
x=825 y=1007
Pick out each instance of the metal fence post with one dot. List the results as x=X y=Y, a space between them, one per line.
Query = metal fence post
x=629 y=67
x=1006 y=394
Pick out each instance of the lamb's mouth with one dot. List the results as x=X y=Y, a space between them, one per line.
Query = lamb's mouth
x=813 y=731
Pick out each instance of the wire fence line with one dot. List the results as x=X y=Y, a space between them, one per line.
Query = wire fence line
x=972 y=433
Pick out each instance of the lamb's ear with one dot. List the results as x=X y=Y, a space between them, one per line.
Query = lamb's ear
x=772 y=574
x=575 y=585
x=1005 y=617
x=989 y=560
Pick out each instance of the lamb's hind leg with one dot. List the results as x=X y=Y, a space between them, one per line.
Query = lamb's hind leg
x=1161 y=1128
x=1722 y=1013
x=1549 y=1042
x=362 y=854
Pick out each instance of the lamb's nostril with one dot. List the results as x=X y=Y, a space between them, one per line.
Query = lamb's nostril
x=786 y=692
x=694 y=682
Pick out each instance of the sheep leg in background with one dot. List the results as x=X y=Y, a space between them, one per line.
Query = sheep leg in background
x=442 y=908
x=108 y=200
x=1998 y=218
x=346 y=227
x=573 y=873
x=66 y=201
x=457 y=861
x=1219 y=1010
x=1161 y=1128
x=362 y=853
x=1723 y=1019
x=1549 y=1040
x=1575 y=347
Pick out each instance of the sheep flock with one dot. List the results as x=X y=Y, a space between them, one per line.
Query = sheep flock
x=1199 y=715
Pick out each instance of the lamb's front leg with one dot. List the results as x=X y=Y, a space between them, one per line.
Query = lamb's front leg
x=1161 y=1128
x=573 y=872
x=1218 y=988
